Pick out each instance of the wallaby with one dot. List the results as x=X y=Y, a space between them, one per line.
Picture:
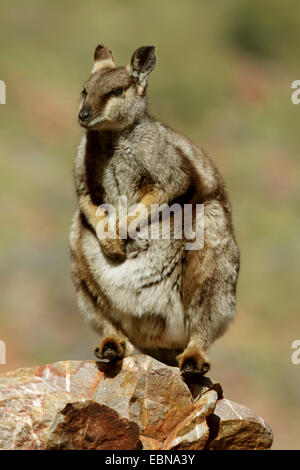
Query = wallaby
x=153 y=295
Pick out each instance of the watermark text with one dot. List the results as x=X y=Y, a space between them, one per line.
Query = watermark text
x=295 y=97
x=160 y=221
x=2 y=352
x=2 y=92
x=295 y=357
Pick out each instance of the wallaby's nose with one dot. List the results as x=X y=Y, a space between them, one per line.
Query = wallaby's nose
x=85 y=113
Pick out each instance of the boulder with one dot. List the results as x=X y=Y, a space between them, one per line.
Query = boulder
x=233 y=426
x=143 y=404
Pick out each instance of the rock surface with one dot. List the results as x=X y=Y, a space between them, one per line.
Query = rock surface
x=143 y=405
x=233 y=426
x=89 y=425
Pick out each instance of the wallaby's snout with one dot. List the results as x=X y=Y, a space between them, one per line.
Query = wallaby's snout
x=85 y=114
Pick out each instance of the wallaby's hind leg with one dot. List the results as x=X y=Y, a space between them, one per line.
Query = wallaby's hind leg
x=114 y=345
x=208 y=294
x=93 y=303
x=210 y=311
x=206 y=323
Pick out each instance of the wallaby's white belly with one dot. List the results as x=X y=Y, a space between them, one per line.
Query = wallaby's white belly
x=140 y=286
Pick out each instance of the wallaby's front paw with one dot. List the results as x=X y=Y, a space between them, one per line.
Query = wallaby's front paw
x=110 y=351
x=114 y=248
x=134 y=247
x=193 y=362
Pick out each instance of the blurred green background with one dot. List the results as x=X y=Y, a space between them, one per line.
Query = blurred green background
x=223 y=78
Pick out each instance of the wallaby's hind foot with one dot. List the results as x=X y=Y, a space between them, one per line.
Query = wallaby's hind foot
x=110 y=351
x=192 y=362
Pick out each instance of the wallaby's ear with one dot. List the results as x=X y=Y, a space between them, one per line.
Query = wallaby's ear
x=103 y=58
x=142 y=63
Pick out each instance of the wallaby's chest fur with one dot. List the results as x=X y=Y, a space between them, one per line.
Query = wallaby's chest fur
x=131 y=163
x=120 y=163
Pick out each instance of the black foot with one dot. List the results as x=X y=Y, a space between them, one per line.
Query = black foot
x=110 y=353
x=190 y=368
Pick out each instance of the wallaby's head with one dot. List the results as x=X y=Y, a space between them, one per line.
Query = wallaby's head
x=115 y=97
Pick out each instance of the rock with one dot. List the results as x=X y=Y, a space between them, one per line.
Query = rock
x=144 y=404
x=89 y=425
x=235 y=427
x=192 y=433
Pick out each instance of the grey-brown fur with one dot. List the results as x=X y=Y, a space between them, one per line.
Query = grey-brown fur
x=151 y=295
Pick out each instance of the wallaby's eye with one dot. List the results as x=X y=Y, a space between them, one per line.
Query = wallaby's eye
x=117 y=91
x=83 y=93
